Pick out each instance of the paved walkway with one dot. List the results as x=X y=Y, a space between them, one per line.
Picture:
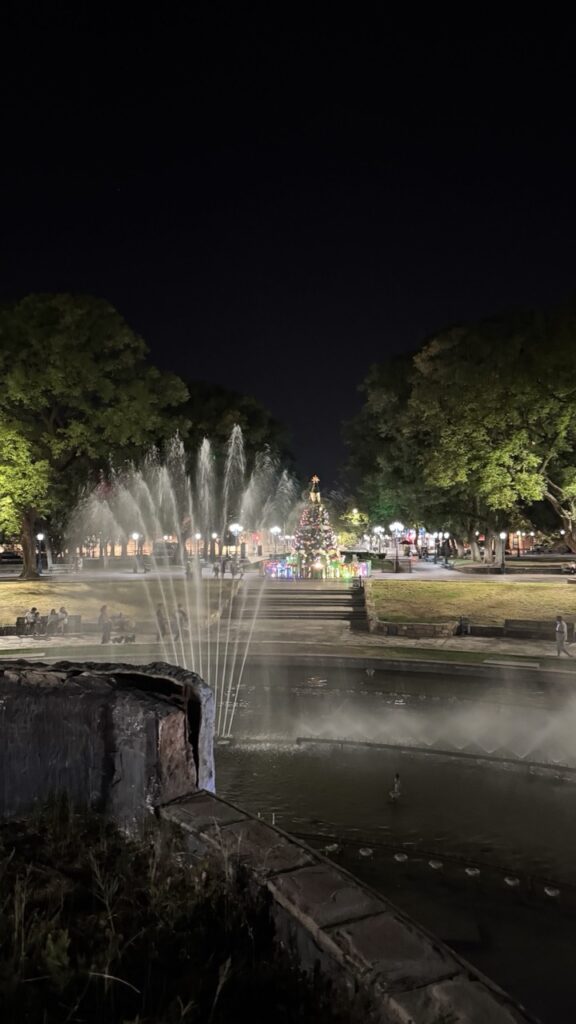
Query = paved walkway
x=310 y=638
x=428 y=571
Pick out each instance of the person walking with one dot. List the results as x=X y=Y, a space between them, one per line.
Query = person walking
x=105 y=623
x=561 y=637
x=161 y=623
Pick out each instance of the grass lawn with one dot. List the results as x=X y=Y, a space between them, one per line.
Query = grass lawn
x=482 y=602
x=135 y=597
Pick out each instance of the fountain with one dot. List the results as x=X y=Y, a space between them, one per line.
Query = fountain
x=187 y=514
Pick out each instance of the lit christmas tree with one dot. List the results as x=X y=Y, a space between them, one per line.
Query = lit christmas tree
x=315 y=540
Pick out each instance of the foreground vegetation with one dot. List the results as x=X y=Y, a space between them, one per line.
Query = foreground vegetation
x=482 y=602
x=99 y=928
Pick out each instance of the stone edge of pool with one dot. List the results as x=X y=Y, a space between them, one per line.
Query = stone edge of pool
x=335 y=922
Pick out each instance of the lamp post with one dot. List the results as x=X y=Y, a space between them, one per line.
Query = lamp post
x=39 y=538
x=275 y=530
x=236 y=530
x=396 y=529
x=503 y=535
x=197 y=538
x=518 y=536
x=446 y=539
x=135 y=538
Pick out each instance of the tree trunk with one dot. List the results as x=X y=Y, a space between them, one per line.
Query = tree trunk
x=558 y=500
x=488 y=547
x=459 y=544
x=28 y=542
x=475 y=549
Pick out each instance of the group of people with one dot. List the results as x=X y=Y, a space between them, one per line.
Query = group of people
x=55 y=622
x=225 y=565
x=175 y=626
x=119 y=623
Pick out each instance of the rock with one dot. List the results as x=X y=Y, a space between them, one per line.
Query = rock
x=120 y=737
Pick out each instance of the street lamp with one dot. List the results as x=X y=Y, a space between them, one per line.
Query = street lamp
x=39 y=538
x=503 y=535
x=396 y=529
x=446 y=549
x=236 y=530
x=135 y=538
x=274 y=530
x=197 y=538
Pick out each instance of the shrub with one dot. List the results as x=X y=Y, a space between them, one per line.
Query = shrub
x=98 y=927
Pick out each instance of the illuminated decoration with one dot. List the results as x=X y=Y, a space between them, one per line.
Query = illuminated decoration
x=314 y=490
x=315 y=540
x=281 y=568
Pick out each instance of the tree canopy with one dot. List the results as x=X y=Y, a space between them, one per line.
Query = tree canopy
x=78 y=393
x=478 y=428
x=212 y=411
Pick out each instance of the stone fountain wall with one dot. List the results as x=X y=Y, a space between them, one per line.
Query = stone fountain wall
x=122 y=738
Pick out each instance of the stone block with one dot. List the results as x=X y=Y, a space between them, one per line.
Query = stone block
x=395 y=953
x=201 y=811
x=324 y=896
x=460 y=1000
x=263 y=849
x=119 y=737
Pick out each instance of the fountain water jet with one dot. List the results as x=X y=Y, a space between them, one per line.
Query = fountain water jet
x=162 y=500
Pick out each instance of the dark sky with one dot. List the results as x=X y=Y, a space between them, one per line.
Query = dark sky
x=275 y=207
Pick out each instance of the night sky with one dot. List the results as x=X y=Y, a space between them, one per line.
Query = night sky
x=274 y=208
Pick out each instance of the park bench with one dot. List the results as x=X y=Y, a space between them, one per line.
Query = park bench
x=534 y=629
x=73 y=625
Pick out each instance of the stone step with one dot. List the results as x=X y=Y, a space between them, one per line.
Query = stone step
x=304 y=616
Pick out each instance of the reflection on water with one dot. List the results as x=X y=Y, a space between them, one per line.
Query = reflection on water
x=450 y=810
x=281 y=703
x=462 y=808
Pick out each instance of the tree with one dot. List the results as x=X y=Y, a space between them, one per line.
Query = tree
x=477 y=429
x=498 y=402
x=314 y=537
x=24 y=484
x=388 y=448
x=212 y=411
x=76 y=387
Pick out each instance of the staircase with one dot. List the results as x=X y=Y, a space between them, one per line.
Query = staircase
x=302 y=600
